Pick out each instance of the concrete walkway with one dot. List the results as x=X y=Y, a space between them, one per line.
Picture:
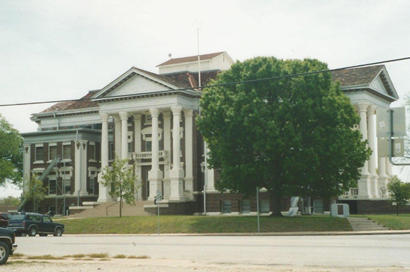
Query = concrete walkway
x=365 y=224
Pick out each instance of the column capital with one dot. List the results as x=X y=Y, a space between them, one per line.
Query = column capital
x=363 y=107
x=104 y=116
x=123 y=115
x=176 y=110
x=117 y=118
x=372 y=108
x=154 y=112
x=188 y=112
x=166 y=114
x=137 y=116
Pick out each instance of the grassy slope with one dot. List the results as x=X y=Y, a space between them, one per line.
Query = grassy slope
x=401 y=222
x=202 y=224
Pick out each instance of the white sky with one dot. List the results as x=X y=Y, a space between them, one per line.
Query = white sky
x=61 y=49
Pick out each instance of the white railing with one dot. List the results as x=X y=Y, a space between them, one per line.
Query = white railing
x=148 y=155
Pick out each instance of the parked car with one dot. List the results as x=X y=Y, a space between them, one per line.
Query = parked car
x=7 y=244
x=33 y=224
x=4 y=220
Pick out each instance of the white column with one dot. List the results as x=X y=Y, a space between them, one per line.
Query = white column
x=155 y=174
x=177 y=172
x=103 y=192
x=117 y=136
x=189 y=174
x=137 y=148
x=124 y=135
x=382 y=185
x=167 y=147
x=80 y=166
x=84 y=165
x=26 y=167
x=364 y=182
x=373 y=157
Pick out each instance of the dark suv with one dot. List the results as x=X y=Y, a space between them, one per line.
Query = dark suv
x=7 y=244
x=33 y=223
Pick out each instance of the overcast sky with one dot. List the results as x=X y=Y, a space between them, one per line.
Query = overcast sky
x=61 y=49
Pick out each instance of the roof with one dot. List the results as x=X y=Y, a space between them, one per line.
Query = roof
x=83 y=102
x=190 y=59
x=357 y=76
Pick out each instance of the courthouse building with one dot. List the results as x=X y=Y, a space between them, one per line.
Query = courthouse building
x=149 y=119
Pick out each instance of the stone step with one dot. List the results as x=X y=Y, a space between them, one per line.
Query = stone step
x=364 y=224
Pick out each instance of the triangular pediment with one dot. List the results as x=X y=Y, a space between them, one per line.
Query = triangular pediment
x=135 y=82
x=383 y=84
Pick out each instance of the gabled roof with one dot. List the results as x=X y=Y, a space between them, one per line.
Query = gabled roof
x=190 y=58
x=363 y=77
x=357 y=76
x=83 y=102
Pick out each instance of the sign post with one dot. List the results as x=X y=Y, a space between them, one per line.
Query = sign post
x=157 y=198
x=257 y=209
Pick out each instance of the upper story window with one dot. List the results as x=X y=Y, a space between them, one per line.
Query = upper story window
x=52 y=152
x=91 y=151
x=39 y=153
x=67 y=151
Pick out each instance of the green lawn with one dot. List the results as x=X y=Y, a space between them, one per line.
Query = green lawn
x=203 y=224
x=401 y=222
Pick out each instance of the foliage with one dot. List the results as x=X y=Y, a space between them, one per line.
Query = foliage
x=291 y=135
x=121 y=179
x=10 y=201
x=36 y=191
x=11 y=157
x=399 y=192
x=203 y=224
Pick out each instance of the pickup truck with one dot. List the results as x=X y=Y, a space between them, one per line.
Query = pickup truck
x=7 y=244
x=33 y=224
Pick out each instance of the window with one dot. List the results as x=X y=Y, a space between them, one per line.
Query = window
x=91 y=189
x=226 y=206
x=39 y=153
x=52 y=188
x=91 y=150
x=52 y=153
x=245 y=206
x=265 y=207
x=47 y=219
x=67 y=151
x=148 y=146
x=67 y=186
x=111 y=151
x=34 y=218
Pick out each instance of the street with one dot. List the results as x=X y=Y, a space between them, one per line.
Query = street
x=338 y=252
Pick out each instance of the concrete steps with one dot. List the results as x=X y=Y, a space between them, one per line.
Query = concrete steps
x=112 y=209
x=364 y=224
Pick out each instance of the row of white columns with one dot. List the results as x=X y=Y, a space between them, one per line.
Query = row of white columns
x=174 y=177
x=372 y=185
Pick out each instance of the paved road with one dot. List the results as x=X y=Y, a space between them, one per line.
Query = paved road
x=299 y=251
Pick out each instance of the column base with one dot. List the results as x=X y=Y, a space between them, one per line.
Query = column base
x=364 y=187
x=382 y=187
x=103 y=195
x=177 y=186
x=155 y=178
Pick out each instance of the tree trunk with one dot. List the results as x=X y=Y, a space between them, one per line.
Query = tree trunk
x=120 y=203
x=397 y=208
x=276 y=203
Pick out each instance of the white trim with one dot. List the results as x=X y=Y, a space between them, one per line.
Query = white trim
x=39 y=145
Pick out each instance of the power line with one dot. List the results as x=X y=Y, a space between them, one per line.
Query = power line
x=224 y=84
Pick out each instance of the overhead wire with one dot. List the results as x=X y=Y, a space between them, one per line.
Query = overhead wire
x=223 y=84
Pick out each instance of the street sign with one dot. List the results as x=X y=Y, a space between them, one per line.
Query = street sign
x=384 y=122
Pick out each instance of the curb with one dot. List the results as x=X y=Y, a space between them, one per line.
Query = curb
x=321 y=233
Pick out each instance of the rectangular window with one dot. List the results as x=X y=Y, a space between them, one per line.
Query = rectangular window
x=148 y=146
x=245 y=206
x=91 y=189
x=111 y=151
x=39 y=153
x=67 y=152
x=91 y=154
x=52 y=188
x=52 y=153
x=265 y=208
x=227 y=206
x=67 y=186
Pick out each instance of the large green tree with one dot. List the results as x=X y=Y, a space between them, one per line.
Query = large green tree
x=291 y=135
x=11 y=157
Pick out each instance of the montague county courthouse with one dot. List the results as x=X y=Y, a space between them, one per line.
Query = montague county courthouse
x=149 y=119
